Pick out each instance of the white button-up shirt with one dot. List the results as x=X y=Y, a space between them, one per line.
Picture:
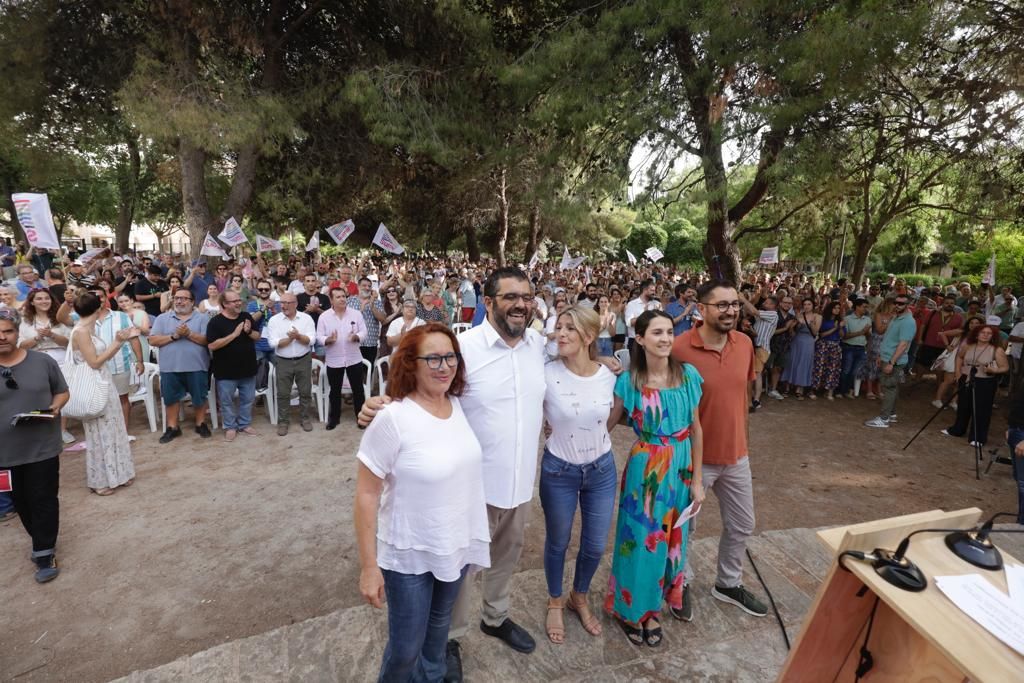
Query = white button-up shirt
x=504 y=403
x=342 y=353
x=277 y=329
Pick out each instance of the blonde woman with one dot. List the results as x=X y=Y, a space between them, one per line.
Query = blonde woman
x=578 y=465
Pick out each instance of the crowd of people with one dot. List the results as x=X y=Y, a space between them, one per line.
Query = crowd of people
x=481 y=361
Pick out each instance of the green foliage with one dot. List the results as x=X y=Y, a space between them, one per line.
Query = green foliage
x=1009 y=250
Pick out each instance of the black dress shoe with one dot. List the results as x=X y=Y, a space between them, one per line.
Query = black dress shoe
x=512 y=634
x=453 y=660
x=331 y=425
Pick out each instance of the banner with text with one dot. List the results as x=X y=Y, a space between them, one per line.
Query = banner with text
x=769 y=255
x=211 y=247
x=654 y=254
x=340 y=232
x=266 y=244
x=232 y=234
x=36 y=220
x=386 y=241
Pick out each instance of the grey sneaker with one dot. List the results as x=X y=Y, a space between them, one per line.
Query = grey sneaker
x=307 y=426
x=742 y=598
x=46 y=568
x=282 y=428
x=879 y=422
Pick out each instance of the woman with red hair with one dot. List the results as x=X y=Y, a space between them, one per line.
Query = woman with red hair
x=978 y=362
x=420 y=513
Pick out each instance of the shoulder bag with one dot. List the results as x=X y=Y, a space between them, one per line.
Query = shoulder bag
x=89 y=390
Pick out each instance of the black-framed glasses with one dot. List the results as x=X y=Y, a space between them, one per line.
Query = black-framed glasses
x=724 y=306
x=434 y=360
x=8 y=378
x=512 y=298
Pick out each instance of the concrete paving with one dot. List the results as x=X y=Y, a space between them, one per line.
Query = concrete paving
x=721 y=644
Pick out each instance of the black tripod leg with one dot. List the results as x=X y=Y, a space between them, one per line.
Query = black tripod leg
x=956 y=395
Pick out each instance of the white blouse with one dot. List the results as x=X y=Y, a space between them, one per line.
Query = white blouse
x=577 y=409
x=433 y=516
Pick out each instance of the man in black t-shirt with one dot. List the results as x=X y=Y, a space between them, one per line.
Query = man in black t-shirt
x=312 y=303
x=232 y=337
x=148 y=290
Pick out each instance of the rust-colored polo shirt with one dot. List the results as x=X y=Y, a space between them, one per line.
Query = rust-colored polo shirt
x=723 y=403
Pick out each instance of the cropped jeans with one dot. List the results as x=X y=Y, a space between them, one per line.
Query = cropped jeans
x=563 y=485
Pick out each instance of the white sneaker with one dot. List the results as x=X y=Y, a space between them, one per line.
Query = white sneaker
x=892 y=419
x=130 y=438
x=945 y=432
x=937 y=403
x=975 y=444
x=879 y=422
x=774 y=393
x=953 y=405
x=67 y=437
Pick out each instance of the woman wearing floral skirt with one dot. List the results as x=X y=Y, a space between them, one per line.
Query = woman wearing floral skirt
x=659 y=398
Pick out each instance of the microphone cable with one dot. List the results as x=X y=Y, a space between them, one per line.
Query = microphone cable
x=778 y=617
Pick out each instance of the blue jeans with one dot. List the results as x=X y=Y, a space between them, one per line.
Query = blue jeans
x=853 y=361
x=419 y=612
x=1016 y=436
x=6 y=504
x=605 y=347
x=246 y=389
x=562 y=484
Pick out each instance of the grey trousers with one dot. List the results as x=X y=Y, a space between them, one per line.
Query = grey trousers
x=734 y=490
x=507 y=528
x=300 y=372
x=891 y=387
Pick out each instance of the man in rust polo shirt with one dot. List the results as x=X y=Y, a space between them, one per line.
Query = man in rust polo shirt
x=725 y=359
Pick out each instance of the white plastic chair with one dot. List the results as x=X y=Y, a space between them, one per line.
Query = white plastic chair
x=211 y=401
x=319 y=389
x=146 y=394
x=622 y=355
x=345 y=389
x=269 y=394
x=459 y=328
x=378 y=371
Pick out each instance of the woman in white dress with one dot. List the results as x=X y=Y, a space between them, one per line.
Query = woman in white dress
x=108 y=462
x=40 y=330
x=420 y=512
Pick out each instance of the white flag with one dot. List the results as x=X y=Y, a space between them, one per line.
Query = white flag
x=266 y=244
x=654 y=254
x=36 y=220
x=386 y=241
x=990 y=274
x=314 y=242
x=566 y=259
x=232 y=234
x=629 y=255
x=339 y=232
x=211 y=248
x=534 y=260
x=576 y=262
x=91 y=254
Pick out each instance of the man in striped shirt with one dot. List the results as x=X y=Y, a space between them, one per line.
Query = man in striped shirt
x=766 y=319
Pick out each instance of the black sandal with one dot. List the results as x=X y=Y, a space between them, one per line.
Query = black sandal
x=633 y=634
x=652 y=636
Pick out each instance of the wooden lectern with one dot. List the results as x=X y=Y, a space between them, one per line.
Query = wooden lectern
x=916 y=636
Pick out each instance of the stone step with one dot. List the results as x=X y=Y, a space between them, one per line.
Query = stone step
x=722 y=643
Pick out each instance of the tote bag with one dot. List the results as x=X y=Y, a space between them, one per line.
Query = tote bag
x=89 y=391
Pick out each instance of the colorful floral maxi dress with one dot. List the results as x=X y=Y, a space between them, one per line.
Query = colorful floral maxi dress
x=650 y=551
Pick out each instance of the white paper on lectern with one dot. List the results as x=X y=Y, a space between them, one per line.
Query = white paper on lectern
x=1015 y=581
x=987 y=605
x=689 y=512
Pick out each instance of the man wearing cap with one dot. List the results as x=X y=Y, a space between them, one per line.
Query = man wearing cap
x=77 y=275
x=28 y=279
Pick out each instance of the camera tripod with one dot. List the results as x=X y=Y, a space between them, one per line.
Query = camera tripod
x=970 y=383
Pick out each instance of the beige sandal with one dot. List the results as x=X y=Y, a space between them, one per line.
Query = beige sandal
x=103 y=492
x=591 y=623
x=556 y=632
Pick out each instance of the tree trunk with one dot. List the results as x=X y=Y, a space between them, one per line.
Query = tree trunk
x=198 y=217
x=913 y=263
x=534 y=237
x=720 y=252
x=472 y=243
x=501 y=233
x=128 y=187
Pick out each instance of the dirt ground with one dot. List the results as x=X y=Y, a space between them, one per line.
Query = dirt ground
x=218 y=541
